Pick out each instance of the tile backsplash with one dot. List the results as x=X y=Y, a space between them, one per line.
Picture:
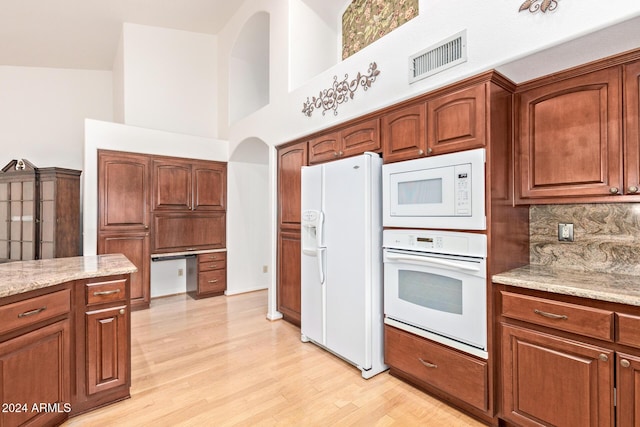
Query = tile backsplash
x=606 y=236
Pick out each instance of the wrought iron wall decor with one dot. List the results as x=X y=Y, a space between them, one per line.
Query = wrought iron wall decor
x=340 y=92
x=535 y=5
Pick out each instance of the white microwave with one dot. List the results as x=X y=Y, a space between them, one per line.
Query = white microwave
x=445 y=191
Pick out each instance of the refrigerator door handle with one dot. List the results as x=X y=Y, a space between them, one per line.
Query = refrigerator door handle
x=320 y=256
x=320 y=230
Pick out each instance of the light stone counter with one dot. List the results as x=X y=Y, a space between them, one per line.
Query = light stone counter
x=612 y=287
x=23 y=276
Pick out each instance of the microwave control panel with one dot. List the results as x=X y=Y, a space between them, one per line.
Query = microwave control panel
x=463 y=189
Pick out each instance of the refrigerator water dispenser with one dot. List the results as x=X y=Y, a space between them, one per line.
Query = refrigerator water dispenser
x=311 y=231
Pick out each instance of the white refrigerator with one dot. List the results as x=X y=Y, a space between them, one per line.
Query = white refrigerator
x=341 y=268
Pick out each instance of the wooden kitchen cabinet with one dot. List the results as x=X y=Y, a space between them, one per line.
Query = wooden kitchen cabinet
x=404 y=133
x=289 y=270
x=628 y=390
x=103 y=341
x=290 y=161
x=179 y=232
x=555 y=381
x=457 y=121
x=107 y=349
x=209 y=276
x=350 y=141
x=35 y=358
x=124 y=192
x=291 y=158
x=568 y=361
x=136 y=247
x=569 y=140
x=188 y=185
x=632 y=128
x=36 y=369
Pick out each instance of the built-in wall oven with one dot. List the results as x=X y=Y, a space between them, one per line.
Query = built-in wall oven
x=435 y=286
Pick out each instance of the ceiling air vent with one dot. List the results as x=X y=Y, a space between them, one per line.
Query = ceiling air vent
x=439 y=57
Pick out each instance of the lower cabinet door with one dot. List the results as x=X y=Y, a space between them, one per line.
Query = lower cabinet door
x=547 y=380
x=136 y=248
x=107 y=349
x=35 y=380
x=628 y=381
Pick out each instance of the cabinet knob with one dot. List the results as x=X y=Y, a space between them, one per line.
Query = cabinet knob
x=429 y=150
x=613 y=190
x=633 y=189
x=603 y=357
x=335 y=154
x=122 y=311
x=625 y=363
x=341 y=153
x=146 y=227
x=420 y=152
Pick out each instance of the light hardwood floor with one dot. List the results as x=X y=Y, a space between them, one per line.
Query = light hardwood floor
x=220 y=362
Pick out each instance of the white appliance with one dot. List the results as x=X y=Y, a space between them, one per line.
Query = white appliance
x=341 y=267
x=435 y=286
x=444 y=191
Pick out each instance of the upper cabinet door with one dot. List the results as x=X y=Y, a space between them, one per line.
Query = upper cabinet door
x=325 y=148
x=632 y=126
x=290 y=161
x=172 y=185
x=360 y=137
x=404 y=134
x=123 y=191
x=568 y=142
x=209 y=186
x=457 y=121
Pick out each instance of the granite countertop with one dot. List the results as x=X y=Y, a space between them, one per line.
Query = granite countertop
x=612 y=287
x=23 y=276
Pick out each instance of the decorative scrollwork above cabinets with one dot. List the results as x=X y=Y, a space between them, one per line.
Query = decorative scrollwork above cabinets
x=340 y=91
x=536 y=5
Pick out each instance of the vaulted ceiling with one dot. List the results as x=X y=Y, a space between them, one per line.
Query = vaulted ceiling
x=84 y=33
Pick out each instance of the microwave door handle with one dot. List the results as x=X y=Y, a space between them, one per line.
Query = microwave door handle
x=428 y=260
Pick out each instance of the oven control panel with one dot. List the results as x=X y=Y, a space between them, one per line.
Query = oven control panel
x=445 y=242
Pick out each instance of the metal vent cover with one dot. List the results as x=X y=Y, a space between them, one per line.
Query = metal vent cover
x=445 y=54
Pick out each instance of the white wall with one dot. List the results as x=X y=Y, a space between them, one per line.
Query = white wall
x=249 y=65
x=314 y=48
x=497 y=35
x=42 y=112
x=248 y=227
x=118 y=83
x=170 y=80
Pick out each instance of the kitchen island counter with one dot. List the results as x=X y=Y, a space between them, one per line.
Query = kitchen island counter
x=24 y=276
x=611 y=287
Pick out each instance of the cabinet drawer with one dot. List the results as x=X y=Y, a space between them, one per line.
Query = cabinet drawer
x=574 y=318
x=211 y=265
x=457 y=374
x=33 y=310
x=102 y=292
x=212 y=281
x=212 y=257
x=628 y=329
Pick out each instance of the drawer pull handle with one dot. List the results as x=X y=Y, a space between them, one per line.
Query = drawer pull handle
x=101 y=293
x=212 y=281
x=191 y=249
x=213 y=266
x=427 y=364
x=625 y=363
x=551 y=315
x=32 y=312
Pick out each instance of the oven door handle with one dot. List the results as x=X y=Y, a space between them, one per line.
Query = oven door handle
x=433 y=261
